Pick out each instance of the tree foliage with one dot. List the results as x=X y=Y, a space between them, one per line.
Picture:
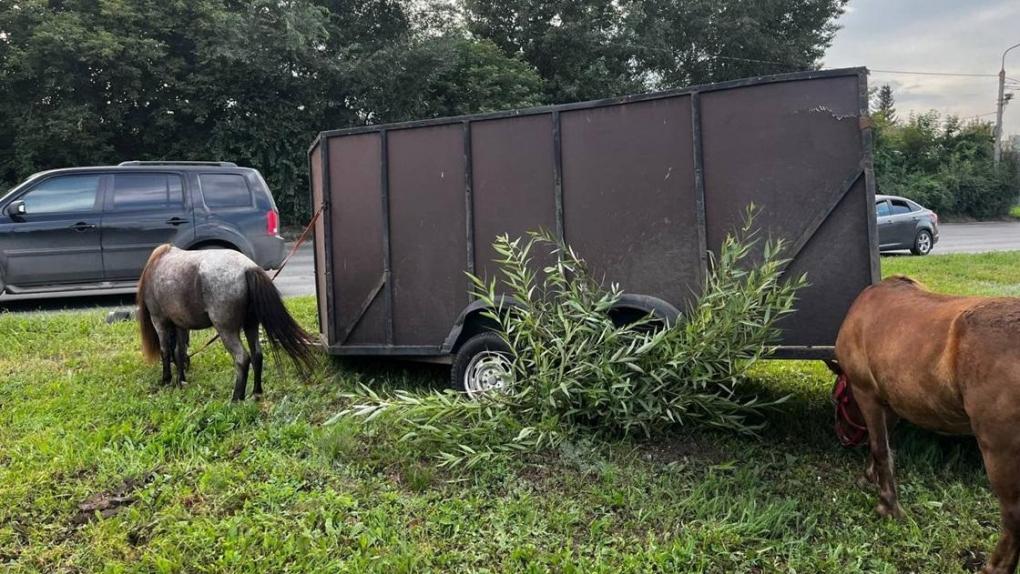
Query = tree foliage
x=941 y=162
x=577 y=373
x=885 y=104
x=86 y=82
x=600 y=48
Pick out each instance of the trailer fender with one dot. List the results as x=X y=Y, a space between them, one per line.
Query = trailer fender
x=472 y=320
x=629 y=308
x=632 y=307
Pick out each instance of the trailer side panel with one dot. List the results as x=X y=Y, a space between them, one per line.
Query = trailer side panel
x=427 y=232
x=513 y=181
x=629 y=198
x=794 y=148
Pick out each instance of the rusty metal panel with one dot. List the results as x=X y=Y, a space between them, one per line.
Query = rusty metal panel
x=427 y=232
x=629 y=199
x=319 y=242
x=794 y=148
x=513 y=180
x=356 y=220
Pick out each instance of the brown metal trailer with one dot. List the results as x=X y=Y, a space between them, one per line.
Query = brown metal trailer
x=642 y=186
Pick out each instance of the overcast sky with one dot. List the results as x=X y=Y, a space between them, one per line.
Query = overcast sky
x=957 y=36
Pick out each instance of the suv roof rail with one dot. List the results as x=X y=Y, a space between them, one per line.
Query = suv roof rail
x=209 y=163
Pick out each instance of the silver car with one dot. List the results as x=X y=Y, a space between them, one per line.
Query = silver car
x=904 y=224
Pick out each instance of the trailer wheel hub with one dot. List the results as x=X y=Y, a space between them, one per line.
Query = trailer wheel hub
x=487 y=371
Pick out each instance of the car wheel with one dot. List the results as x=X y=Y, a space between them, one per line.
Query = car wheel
x=483 y=364
x=922 y=243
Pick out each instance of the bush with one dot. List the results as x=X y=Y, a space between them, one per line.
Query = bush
x=945 y=165
x=576 y=371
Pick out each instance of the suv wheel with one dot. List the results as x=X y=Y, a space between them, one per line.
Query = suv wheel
x=922 y=243
x=482 y=364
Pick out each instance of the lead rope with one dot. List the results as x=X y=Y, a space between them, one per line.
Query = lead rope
x=293 y=250
x=842 y=398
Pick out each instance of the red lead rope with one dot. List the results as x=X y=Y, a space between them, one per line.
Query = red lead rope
x=293 y=250
x=849 y=432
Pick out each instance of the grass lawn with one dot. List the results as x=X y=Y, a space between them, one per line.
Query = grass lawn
x=103 y=471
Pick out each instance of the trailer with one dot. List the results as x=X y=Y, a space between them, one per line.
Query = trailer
x=643 y=187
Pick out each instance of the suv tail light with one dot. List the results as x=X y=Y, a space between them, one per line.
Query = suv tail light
x=272 y=222
x=935 y=217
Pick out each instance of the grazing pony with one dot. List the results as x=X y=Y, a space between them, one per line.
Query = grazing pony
x=184 y=290
x=948 y=364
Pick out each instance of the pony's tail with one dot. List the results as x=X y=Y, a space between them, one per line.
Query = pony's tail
x=282 y=330
x=150 y=340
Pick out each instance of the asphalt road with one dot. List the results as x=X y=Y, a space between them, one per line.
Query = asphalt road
x=298 y=278
x=978 y=237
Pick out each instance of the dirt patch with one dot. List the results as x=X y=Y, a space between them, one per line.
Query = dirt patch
x=109 y=503
x=682 y=448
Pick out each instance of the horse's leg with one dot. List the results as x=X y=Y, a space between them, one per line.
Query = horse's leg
x=880 y=468
x=181 y=357
x=185 y=343
x=251 y=332
x=165 y=332
x=232 y=341
x=871 y=472
x=1001 y=452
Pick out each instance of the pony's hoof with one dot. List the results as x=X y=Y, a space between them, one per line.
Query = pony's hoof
x=885 y=511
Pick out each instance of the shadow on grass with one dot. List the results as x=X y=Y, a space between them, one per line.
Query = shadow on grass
x=25 y=304
x=389 y=374
x=805 y=420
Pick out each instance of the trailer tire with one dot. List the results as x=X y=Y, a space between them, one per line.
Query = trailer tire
x=482 y=364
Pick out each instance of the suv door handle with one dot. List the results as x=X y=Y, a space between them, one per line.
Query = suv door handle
x=176 y=221
x=82 y=226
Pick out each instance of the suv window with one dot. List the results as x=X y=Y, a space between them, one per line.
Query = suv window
x=900 y=207
x=883 y=208
x=63 y=194
x=225 y=190
x=145 y=190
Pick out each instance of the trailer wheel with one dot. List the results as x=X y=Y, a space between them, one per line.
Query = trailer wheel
x=482 y=364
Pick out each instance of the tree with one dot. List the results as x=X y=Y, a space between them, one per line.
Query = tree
x=85 y=82
x=942 y=163
x=597 y=48
x=885 y=104
x=446 y=75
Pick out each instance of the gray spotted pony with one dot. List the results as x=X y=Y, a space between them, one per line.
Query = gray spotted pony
x=180 y=291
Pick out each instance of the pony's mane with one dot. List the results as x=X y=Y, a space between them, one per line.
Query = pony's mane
x=150 y=340
x=905 y=281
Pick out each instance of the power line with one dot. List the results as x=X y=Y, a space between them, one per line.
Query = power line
x=961 y=75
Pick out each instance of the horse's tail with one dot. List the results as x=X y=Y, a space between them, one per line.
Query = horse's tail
x=282 y=330
x=150 y=340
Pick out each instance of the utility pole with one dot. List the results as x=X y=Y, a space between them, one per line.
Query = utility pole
x=1000 y=104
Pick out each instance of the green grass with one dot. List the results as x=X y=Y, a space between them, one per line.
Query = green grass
x=1014 y=212
x=212 y=486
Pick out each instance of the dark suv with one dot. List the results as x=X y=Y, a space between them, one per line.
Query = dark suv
x=94 y=227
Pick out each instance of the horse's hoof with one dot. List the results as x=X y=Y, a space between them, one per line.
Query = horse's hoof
x=885 y=511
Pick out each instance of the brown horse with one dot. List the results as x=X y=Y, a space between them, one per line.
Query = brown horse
x=184 y=290
x=949 y=364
